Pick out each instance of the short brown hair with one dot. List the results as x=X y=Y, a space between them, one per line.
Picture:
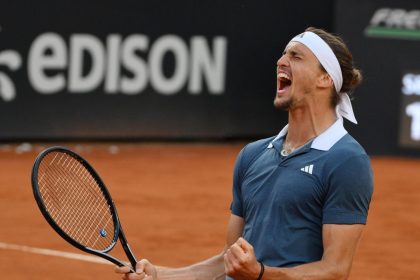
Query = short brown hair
x=352 y=76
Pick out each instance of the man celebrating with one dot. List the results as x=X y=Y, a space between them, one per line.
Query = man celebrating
x=300 y=199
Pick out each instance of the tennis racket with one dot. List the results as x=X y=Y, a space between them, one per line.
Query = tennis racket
x=77 y=205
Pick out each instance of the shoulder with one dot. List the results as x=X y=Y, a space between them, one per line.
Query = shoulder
x=348 y=183
x=252 y=151
x=348 y=156
x=346 y=148
x=257 y=147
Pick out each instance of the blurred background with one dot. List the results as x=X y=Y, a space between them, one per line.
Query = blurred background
x=161 y=95
x=195 y=70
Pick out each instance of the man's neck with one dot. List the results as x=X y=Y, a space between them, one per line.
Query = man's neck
x=306 y=124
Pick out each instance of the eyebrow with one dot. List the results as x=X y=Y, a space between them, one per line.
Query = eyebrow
x=293 y=52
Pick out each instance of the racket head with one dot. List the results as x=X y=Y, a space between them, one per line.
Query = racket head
x=74 y=200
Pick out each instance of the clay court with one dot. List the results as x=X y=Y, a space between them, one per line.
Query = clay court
x=173 y=201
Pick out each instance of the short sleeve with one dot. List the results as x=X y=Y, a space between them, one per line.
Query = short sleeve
x=350 y=188
x=236 y=205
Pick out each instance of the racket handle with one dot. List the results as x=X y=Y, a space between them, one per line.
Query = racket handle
x=130 y=256
x=127 y=249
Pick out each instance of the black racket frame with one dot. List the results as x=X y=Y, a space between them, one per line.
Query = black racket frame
x=118 y=232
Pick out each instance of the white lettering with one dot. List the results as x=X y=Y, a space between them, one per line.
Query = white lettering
x=127 y=66
x=203 y=66
x=48 y=52
x=134 y=64
x=413 y=110
x=398 y=18
x=380 y=16
x=163 y=45
x=412 y=20
x=79 y=44
x=12 y=60
x=7 y=88
x=411 y=84
x=112 y=63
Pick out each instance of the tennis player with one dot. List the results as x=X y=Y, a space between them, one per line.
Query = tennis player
x=301 y=198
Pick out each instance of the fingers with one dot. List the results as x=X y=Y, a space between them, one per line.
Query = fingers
x=122 y=269
x=140 y=266
x=236 y=252
x=240 y=261
x=246 y=247
x=136 y=276
x=140 y=274
x=241 y=248
x=145 y=266
x=149 y=268
x=235 y=256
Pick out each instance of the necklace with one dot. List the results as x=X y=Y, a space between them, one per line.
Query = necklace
x=288 y=148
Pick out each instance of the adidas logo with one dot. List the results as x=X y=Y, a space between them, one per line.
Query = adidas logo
x=308 y=169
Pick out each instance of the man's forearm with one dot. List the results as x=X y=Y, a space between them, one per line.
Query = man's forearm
x=210 y=269
x=320 y=270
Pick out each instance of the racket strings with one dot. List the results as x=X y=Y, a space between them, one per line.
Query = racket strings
x=82 y=232
x=75 y=201
x=87 y=199
x=70 y=206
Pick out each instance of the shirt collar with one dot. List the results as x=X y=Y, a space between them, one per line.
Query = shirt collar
x=322 y=142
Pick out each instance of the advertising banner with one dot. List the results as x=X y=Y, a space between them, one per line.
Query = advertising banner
x=145 y=69
x=384 y=37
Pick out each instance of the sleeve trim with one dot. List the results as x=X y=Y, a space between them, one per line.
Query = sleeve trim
x=344 y=218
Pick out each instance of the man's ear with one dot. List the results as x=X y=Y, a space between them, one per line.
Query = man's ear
x=324 y=81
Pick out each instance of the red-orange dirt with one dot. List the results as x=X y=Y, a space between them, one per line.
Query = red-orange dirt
x=173 y=201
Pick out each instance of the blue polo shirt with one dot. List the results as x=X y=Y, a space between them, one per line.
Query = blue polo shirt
x=285 y=200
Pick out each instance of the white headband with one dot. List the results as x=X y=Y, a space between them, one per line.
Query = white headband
x=328 y=60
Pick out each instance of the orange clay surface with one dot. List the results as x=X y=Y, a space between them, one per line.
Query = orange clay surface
x=173 y=201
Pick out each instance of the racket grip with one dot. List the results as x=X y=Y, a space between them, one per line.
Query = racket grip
x=130 y=256
x=127 y=248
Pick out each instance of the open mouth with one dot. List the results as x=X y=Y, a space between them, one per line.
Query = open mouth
x=284 y=82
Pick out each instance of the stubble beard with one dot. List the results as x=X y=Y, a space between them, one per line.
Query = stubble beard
x=284 y=105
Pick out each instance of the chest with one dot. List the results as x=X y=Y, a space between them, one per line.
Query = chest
x=281 y=183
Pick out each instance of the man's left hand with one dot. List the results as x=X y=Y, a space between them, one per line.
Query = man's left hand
x=240 y=261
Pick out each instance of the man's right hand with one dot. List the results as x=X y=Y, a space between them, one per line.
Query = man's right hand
x=144 y=271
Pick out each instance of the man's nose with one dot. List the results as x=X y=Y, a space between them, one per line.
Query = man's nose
x=282 y=61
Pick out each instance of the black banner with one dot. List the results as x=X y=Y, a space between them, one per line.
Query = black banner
x=384 y=37
x=145 y=69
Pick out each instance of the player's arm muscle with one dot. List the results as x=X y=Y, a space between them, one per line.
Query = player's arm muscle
x=340 y=242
